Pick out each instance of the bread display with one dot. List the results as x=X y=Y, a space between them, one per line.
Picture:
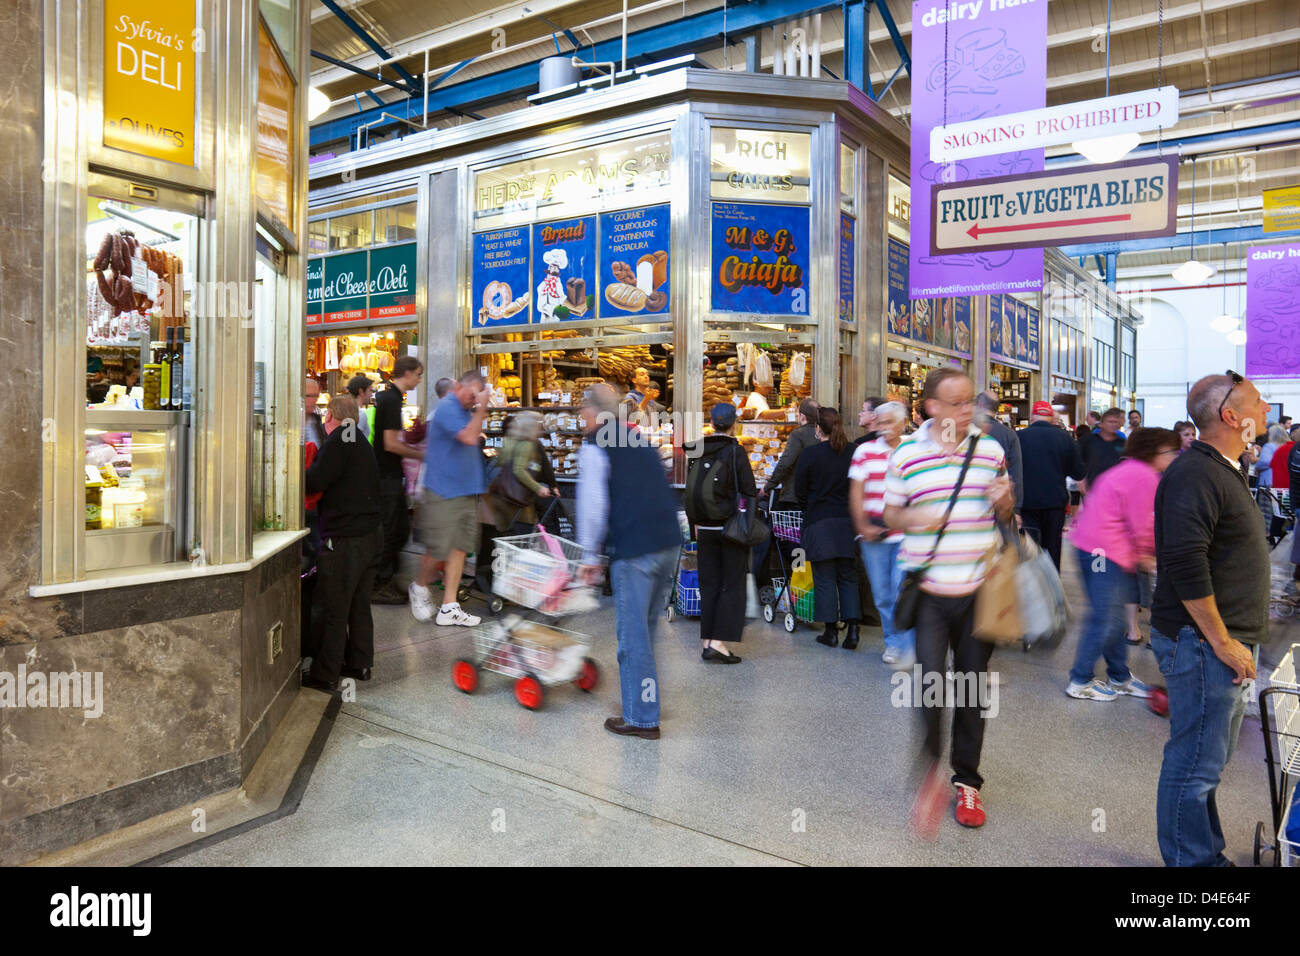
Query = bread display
x=659 y=267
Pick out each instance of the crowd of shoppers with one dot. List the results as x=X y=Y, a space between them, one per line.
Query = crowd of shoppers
x=935 y=502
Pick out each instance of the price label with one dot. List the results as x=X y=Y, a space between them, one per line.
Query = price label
x=565 y=398
x=139 y=276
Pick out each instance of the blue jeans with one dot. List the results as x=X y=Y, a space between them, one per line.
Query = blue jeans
x=640 y=594
x=1103 y=634
x=886 y=576
x=1205 y=711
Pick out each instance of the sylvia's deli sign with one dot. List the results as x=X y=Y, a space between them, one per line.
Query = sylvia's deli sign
x=150 y=53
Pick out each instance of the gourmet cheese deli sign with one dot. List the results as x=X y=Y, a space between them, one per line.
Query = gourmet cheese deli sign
x=149 y=74
x=1130 y=200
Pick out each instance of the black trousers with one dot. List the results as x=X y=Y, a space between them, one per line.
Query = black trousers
x=835 y=591
x=1050 y=524
x=397 y=527
x=866 y=600
x=943 y=623
x=347 y=573
x=723 y=566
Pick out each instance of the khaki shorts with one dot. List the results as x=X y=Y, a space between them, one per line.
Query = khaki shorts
x=448 y=523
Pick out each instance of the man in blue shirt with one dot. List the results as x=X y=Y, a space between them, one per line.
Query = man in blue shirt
x=449 y=506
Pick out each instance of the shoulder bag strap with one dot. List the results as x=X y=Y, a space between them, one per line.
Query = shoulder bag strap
x=965 y=465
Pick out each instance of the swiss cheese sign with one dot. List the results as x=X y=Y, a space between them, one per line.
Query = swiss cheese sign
x=149 y=76
x=1130 y=200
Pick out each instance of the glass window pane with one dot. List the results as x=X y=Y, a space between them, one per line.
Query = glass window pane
x=848 y=178
x=352 y=231
x=280 y=18
x=358 y=201
x=760 y=164
x=318 y=237
x=395 y=223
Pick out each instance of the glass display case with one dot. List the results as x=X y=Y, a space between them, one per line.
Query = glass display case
x=134 y=463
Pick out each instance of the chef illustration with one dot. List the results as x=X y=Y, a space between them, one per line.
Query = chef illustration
x=550 y=292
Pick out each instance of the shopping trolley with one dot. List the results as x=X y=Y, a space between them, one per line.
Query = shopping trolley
x=685 y=597
x=783 y=597
x=1275 y=506
x=538 y=572
x=1279 y=717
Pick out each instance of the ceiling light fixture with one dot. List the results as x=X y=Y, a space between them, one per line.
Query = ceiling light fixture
x=1238 y=337
x=317 y=103
x=1225 y=323
x=1192 y=272
x=1107 y=149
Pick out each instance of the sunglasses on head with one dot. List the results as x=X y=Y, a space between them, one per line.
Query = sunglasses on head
x=1236 y=380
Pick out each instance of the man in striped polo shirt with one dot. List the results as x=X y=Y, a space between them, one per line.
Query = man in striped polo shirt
x=923 y=473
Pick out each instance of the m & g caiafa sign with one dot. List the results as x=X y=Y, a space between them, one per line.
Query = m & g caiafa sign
x=149 y=75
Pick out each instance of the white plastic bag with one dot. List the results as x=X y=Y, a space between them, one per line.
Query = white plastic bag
x=796 y=373
x=763 y=370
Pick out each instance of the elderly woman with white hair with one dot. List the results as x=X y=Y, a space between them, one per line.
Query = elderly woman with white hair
x=879 y=544
x=1277 y=437
x=523 y=456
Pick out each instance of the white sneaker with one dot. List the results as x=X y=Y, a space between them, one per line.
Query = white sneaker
x=421 y=602
x=1093 y=690
x=1132 y=688
x=454 y=615
x=890 y=657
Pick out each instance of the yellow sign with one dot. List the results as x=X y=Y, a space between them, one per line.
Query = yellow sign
x=149 y=75
x=1282 y=209
x=274 y=120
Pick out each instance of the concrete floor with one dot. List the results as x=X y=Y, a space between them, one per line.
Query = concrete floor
x=794 y=756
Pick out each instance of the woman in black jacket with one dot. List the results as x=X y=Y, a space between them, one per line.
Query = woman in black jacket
x=722 y=564
x=821 y=483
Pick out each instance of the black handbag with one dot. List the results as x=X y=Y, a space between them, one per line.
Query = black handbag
x=744 y=527
x=508 y=488
x=909 y=592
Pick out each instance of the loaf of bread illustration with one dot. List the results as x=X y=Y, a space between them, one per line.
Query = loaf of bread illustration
x=626 y=297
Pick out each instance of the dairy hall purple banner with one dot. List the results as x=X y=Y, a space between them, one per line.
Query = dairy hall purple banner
x=994 y=54
x=1273 y=311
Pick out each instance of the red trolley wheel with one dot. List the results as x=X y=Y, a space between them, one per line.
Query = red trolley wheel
x=588 y=675
x=464 y=675
x=528 y=691
x=1159 y=702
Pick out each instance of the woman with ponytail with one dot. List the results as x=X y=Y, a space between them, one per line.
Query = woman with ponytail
x=821 y=483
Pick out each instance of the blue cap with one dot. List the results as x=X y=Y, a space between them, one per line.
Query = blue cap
x=723 y=415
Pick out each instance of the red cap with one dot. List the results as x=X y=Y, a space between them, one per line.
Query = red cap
x=1045 y=409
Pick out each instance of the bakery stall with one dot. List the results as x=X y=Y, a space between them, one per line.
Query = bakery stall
x=685 y=236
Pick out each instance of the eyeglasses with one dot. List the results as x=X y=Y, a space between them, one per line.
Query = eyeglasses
x=1236 y=380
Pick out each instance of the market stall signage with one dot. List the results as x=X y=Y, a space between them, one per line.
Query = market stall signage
x=846 y=268
x=149 y=76
x=759 y=164
x=346 y=280
x=634 y=262
x=564 y=270
x=275 y=92
x=1031 y=339
x=315 y=286
x=1129 y=200
x=500 y=277
x=760 y=258
x=1056 y=125
x=942 y=322
x=1282 y=209
x=1273 y=311
x=1014 y=330
x=392 y=282
x=981 y=58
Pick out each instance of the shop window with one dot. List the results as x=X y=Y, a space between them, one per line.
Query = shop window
x=281 y=18
x=848 y=179
x=395 y=223
x=139 y=362
x=352 y=231
x=272 y=380
x=357 y=202
x=318 y=237
x=900 y=210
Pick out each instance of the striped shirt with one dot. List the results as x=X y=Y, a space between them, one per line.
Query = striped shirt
x=921 y=474
x=870 y=463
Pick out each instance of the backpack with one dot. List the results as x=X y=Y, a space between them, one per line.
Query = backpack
x=708 y=497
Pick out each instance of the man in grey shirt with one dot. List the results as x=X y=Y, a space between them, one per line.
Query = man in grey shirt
x=986 y=406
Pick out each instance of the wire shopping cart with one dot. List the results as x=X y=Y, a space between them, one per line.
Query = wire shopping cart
x=794 y=602
x=1279 y=717
x=685 y=596
x=538 y=572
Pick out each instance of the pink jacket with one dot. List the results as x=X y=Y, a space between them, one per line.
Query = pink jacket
x=1118 y=516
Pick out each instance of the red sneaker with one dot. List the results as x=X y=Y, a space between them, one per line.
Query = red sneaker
x=927 y=811
x=969 y=811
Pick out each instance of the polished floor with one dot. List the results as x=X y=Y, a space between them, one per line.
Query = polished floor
x=795 y=756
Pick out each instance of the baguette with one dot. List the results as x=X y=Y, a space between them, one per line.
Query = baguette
x=626 y=297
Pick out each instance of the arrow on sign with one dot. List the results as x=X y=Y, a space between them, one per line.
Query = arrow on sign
x=975 y=231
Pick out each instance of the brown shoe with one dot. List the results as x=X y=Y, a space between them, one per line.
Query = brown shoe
x=615 y=725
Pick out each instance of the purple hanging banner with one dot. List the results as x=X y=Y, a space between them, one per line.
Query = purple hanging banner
x=994 y=53
x=1273 y=311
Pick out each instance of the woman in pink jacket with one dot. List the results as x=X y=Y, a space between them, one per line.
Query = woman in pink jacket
x=1114 y=537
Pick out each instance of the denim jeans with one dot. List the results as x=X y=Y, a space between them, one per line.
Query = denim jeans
x=1205 y=711
x=886 y=577
x=640 y=594
x=1103 y=633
